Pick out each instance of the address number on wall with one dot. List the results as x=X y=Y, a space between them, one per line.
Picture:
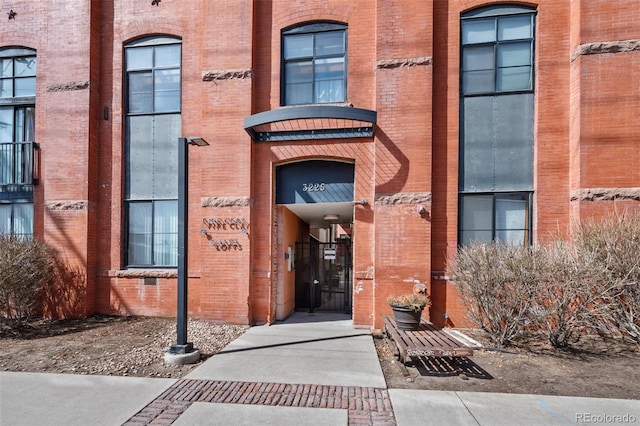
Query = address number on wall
x=313 y=187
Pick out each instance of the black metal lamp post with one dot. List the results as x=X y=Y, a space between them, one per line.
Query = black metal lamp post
x=182 y=346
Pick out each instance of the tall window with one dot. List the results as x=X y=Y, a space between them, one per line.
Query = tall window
x=314 y=64
x=17 y=135
x=496 y=128
x=153 y=94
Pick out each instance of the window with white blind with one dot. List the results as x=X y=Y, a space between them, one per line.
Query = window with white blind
x=152 y=129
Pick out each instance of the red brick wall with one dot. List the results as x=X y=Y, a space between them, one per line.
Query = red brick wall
x=606 y=132
x=586 y=136
x=604 y=20
x=403 y=150
x=552 y=121
x=65 y=206
x=218 y=280
x=610 y=128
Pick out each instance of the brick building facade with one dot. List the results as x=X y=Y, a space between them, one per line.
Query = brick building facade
x=352 y=144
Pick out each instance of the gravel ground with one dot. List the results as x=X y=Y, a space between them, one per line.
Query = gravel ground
x=105 y=345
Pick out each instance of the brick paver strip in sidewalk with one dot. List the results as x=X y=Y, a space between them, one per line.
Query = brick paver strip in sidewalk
x=366 y=406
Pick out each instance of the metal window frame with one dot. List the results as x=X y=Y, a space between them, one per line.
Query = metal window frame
x=496 y=12
x=528 y=195
x=13 y=53
x=20 y=190
x=13 y=203
x=312 y=28
x=31 y=167
x=149 y=41
x=151 y=265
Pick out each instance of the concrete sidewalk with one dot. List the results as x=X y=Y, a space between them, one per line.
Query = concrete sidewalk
x=413 y=407
x=37 y=399
x=312 y=369
x=321 y=349
x=309 y=370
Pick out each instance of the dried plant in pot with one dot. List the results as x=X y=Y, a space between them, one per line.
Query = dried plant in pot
x=407 y=309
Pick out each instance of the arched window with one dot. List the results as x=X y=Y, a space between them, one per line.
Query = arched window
x=314 y=64
x=497 y=50
x=153 y=123
x=17 y=139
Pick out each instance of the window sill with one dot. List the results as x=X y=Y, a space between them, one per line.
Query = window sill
x=143 y=272
x=147 y=273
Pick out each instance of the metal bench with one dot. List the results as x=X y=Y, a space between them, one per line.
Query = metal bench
x=428 y=340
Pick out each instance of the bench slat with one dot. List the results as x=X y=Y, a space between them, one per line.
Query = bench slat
x=427 y=341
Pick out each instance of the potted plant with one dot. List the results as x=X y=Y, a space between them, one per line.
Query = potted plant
x=407 y=309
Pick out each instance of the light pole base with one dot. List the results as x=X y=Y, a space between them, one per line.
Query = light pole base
x=173 y=357
x=181 y=349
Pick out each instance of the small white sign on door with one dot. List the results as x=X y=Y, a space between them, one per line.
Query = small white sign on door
x=329 y=254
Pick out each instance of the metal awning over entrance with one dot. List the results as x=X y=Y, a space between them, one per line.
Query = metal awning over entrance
x=311 y=122
x=313 y=188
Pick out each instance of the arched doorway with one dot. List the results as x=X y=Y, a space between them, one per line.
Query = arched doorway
x=315 y=198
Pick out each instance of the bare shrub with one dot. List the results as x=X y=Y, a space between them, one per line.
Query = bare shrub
x=564 y=290
x=566 y=299
x=25 y=268
x=613 y=247
x=497 y=284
